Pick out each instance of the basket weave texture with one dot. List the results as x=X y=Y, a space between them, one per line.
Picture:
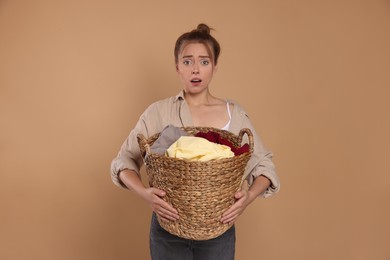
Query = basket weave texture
x=200 y=191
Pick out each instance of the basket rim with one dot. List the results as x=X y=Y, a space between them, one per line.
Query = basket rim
x=145 y=143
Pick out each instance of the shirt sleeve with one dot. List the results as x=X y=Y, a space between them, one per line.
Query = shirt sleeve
x=129 y=156
x=260 y=162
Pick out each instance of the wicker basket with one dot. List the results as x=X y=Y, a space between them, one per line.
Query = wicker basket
x=200 y=191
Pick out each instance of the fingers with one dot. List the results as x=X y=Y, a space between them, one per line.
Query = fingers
x=158 y=192
x=163 y=208
x=163 y=219
x=236 y=209
x=231 y=214
x=166 y=215
x=239 y=194
x=167 y=211
x=230 y=219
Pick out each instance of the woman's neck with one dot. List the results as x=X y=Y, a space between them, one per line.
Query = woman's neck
x=199 y=99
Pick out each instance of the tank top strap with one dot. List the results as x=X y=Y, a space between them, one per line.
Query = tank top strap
x=226 y=127
x=228 y=109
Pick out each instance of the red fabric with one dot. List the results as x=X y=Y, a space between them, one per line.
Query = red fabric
x=216 y=138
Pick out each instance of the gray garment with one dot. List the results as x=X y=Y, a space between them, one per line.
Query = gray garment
x=168 y=136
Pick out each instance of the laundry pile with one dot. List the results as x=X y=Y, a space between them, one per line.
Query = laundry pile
x=175 y=142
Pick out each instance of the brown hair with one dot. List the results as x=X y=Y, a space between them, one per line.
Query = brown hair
x=199 y=35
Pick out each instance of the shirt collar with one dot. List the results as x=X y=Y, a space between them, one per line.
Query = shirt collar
x=179 y=96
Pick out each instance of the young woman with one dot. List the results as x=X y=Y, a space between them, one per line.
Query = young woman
x=196 y=57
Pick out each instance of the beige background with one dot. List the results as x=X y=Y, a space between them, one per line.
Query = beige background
x=313 y=75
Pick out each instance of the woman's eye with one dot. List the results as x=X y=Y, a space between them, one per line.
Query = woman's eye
x=187 y=62
x=205 y=62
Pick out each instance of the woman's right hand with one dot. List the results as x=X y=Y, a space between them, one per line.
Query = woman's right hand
x=163 y=209
x=151 y=195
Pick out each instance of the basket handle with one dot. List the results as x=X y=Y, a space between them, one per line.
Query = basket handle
x=248 y=132
x=143 y=144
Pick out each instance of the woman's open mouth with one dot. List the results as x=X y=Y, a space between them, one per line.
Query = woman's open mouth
x=196 y=81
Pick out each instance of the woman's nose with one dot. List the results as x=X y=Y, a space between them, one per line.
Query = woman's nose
x=195 y=69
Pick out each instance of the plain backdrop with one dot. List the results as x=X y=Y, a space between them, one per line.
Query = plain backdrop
x=314 y=77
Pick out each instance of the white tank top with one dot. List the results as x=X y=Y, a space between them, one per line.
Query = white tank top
x=226 y=127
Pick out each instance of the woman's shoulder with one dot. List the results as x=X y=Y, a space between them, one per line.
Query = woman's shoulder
x=162 y=103
x=237 y=107
x=158 y=114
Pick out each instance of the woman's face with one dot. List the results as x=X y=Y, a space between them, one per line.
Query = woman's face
x=195 y=68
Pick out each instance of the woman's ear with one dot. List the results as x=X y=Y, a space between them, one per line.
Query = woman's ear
x=177 y=67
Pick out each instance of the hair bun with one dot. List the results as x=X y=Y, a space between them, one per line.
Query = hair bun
x=199 y=35
x=203 y=28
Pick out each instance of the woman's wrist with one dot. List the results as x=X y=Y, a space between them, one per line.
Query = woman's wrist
x=132 y=181
x=258 y=187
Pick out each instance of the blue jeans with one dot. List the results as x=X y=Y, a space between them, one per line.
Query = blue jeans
x=165 y=246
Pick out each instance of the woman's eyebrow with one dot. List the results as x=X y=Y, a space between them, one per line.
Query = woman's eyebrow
x=191 y=56
x=187 y=56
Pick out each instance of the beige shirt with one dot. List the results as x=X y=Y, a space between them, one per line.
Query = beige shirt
x=175 y=111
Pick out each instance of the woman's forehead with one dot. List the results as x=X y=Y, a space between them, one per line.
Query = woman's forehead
x=195 y=48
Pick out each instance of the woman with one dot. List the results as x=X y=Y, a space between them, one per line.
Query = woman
x=196 y=57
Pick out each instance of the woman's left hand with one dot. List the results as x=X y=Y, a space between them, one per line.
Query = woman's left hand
x=245 y=197
x=242 y=201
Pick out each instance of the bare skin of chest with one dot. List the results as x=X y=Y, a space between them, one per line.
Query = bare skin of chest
x=214 y=115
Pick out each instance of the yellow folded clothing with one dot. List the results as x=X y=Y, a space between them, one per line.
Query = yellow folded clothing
x=198 y=149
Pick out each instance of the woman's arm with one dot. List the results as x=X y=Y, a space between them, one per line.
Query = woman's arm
x=152 y=196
